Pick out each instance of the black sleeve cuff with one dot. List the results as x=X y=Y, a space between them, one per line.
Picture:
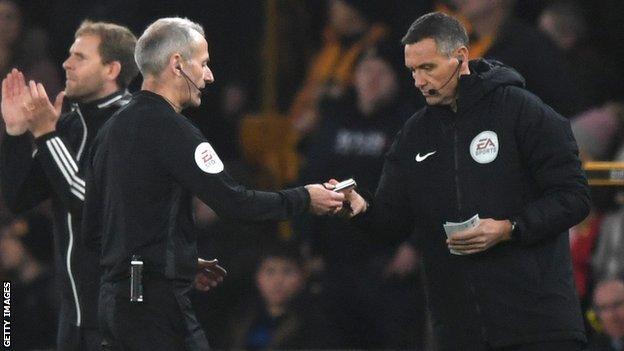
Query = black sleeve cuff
x=40 y=141
x=298 y=200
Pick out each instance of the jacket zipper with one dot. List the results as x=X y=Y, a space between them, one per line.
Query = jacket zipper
x=70 y=230
x=459 y=207
x=84 y=135
x=70 y=248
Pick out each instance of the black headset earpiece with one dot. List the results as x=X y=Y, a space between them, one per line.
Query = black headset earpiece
x=460 y=60
x=188 y=80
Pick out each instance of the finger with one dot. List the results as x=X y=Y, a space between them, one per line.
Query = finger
x=220 y=270
x=210 y=275
x=335 y=206
x=58 y=102
x=9 y=85
x=32 y=88
x=332 y=181
x=337 y=196
x=475 y=241
x=202 y=287
x=464 y=236
x=328 y=186
x=471 y=251
x=465 y=248
x=335 y=210
x=42 y=92
x=211 y=279
x=214 y=273
x=201 y=283
x=20 y=83
x=5 y=88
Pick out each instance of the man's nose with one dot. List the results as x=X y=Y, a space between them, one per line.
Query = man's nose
x=208 y=76
x=66 y=63
x=419 y=81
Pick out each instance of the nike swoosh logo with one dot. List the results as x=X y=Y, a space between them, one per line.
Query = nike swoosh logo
x=423 y=157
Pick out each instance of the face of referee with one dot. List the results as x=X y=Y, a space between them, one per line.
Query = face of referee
x=87 y=78
x=432 y=69
x=198 y=73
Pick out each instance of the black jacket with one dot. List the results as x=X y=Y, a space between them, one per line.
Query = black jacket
x=56 y=169
x=148 y=160
x=517 y=291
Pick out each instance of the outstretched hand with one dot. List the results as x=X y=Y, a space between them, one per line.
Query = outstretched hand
x=324 y=201
x=355 y=203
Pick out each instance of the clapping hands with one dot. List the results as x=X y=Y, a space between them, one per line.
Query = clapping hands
x=27 y=107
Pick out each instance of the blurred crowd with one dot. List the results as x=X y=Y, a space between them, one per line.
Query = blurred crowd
x=311 y=90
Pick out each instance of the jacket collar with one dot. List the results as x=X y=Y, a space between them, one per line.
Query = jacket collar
x=102 y=103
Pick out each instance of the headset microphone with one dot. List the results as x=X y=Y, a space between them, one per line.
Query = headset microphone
x=179 y=68
x=436 y=91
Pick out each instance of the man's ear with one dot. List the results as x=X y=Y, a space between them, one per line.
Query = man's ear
x=175 y=63
x=462 y=53
x=114 y=69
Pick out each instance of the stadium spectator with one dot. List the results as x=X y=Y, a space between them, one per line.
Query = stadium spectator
x=566 y=25
x=283 y=315
x=349 y=32
x=497 y=34
x=609 y=307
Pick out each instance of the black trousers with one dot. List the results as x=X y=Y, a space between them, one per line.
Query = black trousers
x=164 y=320
x=69 y=337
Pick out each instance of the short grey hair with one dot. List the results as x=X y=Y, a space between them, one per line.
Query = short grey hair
x=162 y=39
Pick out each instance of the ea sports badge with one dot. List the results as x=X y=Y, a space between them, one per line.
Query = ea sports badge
x=484 y=147
x=207 y=159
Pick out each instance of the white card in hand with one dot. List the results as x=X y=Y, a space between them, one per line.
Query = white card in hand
x=453 y=227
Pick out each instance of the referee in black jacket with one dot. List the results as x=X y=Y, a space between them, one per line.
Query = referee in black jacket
x=484 y=145
x=147 y=162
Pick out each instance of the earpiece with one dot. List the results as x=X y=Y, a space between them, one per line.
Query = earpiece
x=186 y=77
x=460 y=60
